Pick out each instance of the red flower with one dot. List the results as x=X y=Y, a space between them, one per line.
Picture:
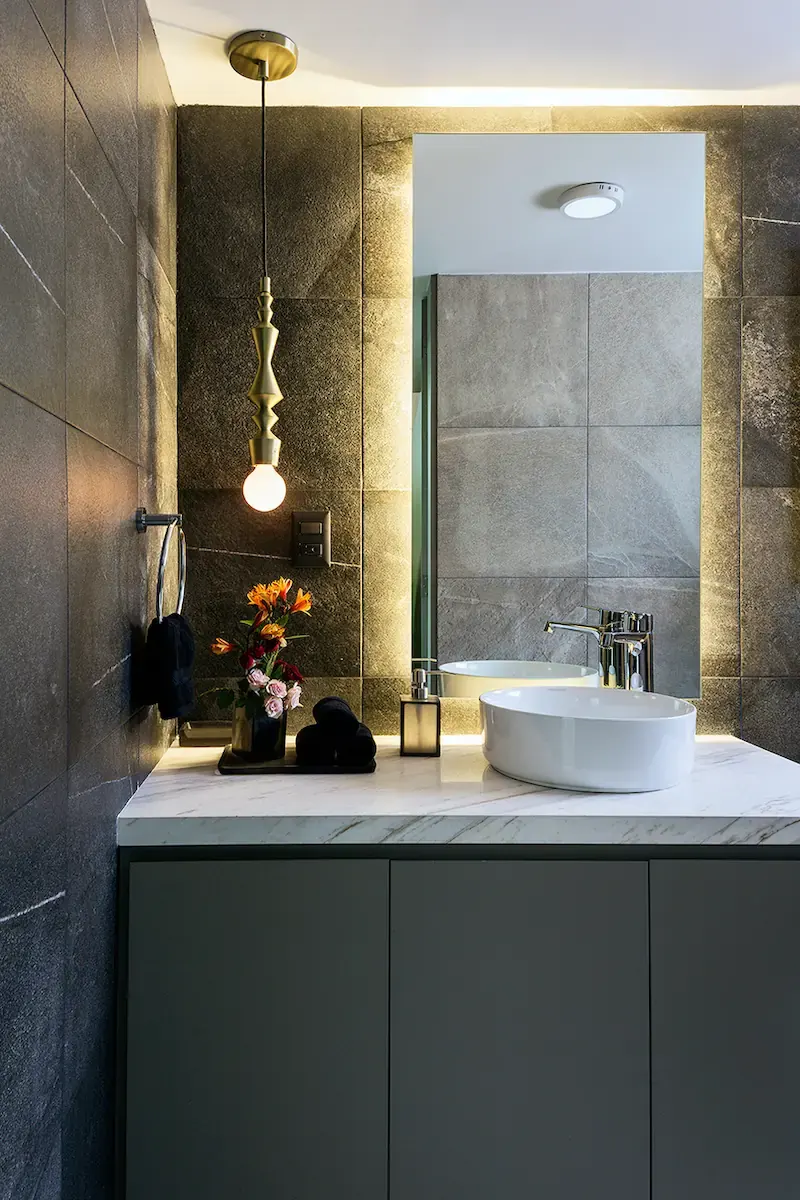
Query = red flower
x=289 y=671
x=247 y=661
x=259 y=649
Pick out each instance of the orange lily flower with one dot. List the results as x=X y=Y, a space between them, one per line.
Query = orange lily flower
x=303 y=602
x=270 y=633
x=282 y=587
x=221 y=646
x=262 y=597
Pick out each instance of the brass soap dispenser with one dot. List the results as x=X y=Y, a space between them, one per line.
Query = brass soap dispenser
x=420 y=719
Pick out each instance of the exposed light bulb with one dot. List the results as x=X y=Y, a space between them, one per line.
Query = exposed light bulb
x=263 y=488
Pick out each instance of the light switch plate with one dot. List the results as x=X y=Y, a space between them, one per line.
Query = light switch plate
x=311 y=538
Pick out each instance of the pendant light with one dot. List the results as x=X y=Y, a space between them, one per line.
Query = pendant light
x=266 y=56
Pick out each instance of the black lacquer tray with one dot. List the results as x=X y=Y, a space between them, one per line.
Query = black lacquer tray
x=229 y=764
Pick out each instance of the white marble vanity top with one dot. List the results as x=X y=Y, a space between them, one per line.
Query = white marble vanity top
x=737 y=795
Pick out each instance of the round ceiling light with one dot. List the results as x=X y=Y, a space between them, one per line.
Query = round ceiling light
x=589 y=200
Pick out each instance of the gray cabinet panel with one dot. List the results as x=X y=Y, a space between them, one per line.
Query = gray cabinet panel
x=257 y=1031
x=725 y=1030
x=519 y=1031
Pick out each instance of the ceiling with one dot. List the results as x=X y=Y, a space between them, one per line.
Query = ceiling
x=510 y=52
x=487 y=204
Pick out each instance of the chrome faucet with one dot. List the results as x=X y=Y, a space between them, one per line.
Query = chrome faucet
x=624 y=646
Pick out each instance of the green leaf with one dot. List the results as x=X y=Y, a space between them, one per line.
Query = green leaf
x=248 y=623
x=225 y=698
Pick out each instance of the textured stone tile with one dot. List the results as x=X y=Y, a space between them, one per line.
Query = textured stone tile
x=102 y=54
x=220 y=519
x=675 y=606
x=157 y=123
x=314 y=210
x=318 y=367
x=31 y=211
x=105 y=590
x=314 y=689
x=770 y=572
x=770 y=382
x=511 y=350
x=51 y=15
x=101 y=293
x=393 y=124
x=217 y=599
x=719 y=707
x=644 y=501
x=461 y=716
x=771 y=715
x=645 y=349
x=33 y=600
x=386 y=213
x=387 y=576
x=32 y=877
x=381 y=703
x=722 y=271
x=512 y=502
x=155 y=738
x=505 y=618
x=387 y=394
x=771 y=201
x=719 y=542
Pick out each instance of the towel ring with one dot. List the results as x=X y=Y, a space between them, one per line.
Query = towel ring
x=171 y=521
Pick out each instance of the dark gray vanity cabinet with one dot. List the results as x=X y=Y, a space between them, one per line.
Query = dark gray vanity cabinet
x=257 y=1037
x=725 y=957
x=519 y=1031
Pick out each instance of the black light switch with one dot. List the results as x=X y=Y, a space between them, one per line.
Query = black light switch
x=311 y=539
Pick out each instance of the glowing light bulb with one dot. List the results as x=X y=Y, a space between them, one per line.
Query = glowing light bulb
x=263 y=488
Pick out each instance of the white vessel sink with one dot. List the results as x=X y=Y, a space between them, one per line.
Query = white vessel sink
x=598 y=740
x=471 y=679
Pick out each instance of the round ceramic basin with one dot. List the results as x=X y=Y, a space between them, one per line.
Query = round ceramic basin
x=598 y=740
x=471 y=679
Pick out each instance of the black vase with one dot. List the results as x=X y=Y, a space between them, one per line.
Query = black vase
x=260 y=738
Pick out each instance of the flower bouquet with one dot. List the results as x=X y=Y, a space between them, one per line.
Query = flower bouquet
x=270 y=686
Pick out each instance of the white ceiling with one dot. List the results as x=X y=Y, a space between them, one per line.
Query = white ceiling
x=509 y=52
x=487 y=204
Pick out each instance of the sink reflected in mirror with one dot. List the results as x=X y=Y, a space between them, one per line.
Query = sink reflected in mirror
x=468 y=680
x=595 y=740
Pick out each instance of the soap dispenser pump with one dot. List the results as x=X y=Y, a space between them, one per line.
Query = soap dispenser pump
x=420 y=719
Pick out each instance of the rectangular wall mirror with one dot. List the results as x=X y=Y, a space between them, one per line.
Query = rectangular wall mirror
x=557 y=406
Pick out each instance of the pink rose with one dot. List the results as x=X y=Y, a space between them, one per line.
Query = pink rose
x=273 y=706
x=276 y=687
x=293 y=696
x=257 y=679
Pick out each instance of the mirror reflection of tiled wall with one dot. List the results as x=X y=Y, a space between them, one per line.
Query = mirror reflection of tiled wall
x=569 y=414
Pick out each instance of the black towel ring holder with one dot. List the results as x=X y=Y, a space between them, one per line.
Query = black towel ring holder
x=145 y=520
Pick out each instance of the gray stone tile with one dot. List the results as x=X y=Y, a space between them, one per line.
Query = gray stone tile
x=461 y=716
x=512 y=502
x=770 y=598
x=102 y=54
x=505 y=618
x=216 y=600
x=157 y=152
x=719 y=709
x=106 y=594
x=386 y=213
x=51 y=15
x=770 y=382
x=771 y=200
x=511 y=350
x=382 y=124
x=381 y=703
x=219 y=519
x=31 y=212
x=33 y=600
x=318 y=366
x=719 y=543
x=771 y=715
x=32 y=946
x=387 y=394
x=675 y=605
x=387 y=575
x=722 y=125
x=101 y=293
x=644 y=501
x=645 y=349
x=314 y=211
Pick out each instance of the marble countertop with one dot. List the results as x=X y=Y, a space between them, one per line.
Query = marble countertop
x=737 y=795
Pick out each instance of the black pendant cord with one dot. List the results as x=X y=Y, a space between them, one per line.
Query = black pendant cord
x=264 y=174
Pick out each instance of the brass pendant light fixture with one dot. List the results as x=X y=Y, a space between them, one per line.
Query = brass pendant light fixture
x=266 y=56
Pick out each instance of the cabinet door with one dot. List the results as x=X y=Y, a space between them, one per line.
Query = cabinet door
x=257 y=1031
x=519 y=1031
x=726 y=1030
